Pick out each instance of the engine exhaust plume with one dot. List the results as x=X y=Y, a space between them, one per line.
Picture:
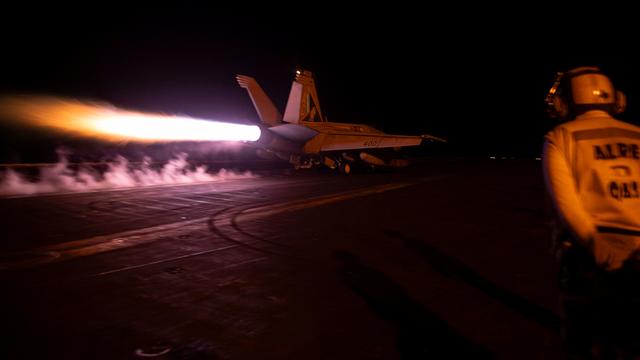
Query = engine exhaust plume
x=106 y=121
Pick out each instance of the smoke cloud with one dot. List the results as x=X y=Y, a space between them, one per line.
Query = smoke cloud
x=120 y=173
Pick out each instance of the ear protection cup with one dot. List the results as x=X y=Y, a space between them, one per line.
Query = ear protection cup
x=621 y=102
x=560 y=106
x=555 y=105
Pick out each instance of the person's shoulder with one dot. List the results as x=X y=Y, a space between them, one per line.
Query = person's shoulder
x=560 y=129
x=586 y=122
x=626 y=124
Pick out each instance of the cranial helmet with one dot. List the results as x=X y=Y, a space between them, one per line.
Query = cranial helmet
x=583 y=89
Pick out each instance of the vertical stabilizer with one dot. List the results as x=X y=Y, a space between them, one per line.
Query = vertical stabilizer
x=303 y=104
x=267 y=112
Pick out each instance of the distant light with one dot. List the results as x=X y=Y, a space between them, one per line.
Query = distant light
x=492 y=157
x=297 y=72
x=538 y=159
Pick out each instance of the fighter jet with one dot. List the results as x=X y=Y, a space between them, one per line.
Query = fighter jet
x=305 y=138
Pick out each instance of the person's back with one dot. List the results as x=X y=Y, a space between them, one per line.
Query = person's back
x=592 y=172
x=603 y=156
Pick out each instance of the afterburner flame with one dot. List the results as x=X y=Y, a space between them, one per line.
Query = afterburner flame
x=106 y=121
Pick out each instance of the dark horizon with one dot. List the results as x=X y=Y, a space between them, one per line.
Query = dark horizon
x=481 y=86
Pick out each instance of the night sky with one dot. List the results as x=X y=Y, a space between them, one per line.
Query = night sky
x=476 y=77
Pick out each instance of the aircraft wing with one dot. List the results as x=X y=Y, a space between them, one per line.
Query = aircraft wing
x=328 y=136
x=337 y=141
x=432 y=138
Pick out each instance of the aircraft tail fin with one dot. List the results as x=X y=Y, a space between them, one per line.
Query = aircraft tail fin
x=265 y=108
x=303 y=103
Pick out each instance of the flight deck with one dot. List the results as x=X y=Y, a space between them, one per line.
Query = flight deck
x=448 y=258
